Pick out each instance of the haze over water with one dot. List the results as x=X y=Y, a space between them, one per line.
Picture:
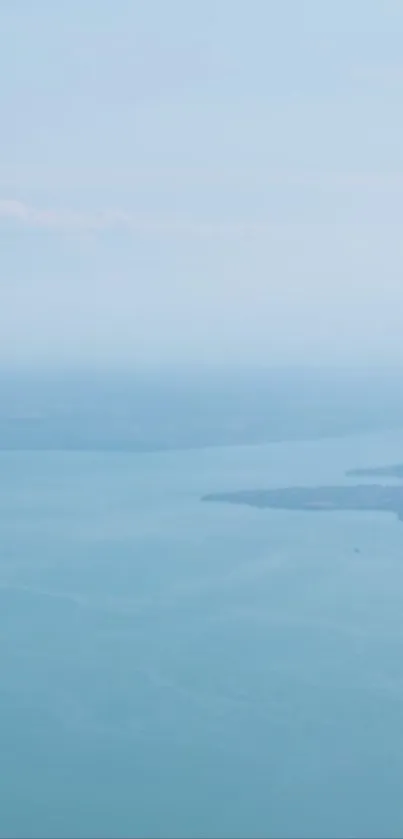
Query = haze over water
x=217 y=187
x=171 y=668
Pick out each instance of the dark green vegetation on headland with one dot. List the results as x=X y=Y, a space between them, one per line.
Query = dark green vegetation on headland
x=361 y=497
x=365 y=497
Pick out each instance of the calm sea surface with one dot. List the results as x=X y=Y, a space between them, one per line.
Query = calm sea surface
x=177 y=669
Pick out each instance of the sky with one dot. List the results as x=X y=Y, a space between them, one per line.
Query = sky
x=216 y=182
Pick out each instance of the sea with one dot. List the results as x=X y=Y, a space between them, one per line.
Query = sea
x=174 y=668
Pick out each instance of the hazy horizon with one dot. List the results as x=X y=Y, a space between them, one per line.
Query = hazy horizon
x=220 y=184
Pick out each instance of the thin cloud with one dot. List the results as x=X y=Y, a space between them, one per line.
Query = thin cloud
x=52 y=177
x=93 y=221
x=35 y=217
x=389 y=75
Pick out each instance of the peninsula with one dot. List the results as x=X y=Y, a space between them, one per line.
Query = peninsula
x=362 y=497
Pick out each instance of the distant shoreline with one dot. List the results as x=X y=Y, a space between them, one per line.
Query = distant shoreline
x=361 y=497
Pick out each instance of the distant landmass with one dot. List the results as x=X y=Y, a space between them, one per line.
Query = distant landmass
x=361 y=497
x=143 y=412
x=395 y=471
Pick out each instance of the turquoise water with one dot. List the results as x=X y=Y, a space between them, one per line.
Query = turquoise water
x=172 y=668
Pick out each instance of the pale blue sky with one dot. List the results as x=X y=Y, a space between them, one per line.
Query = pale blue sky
x=217 y=181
